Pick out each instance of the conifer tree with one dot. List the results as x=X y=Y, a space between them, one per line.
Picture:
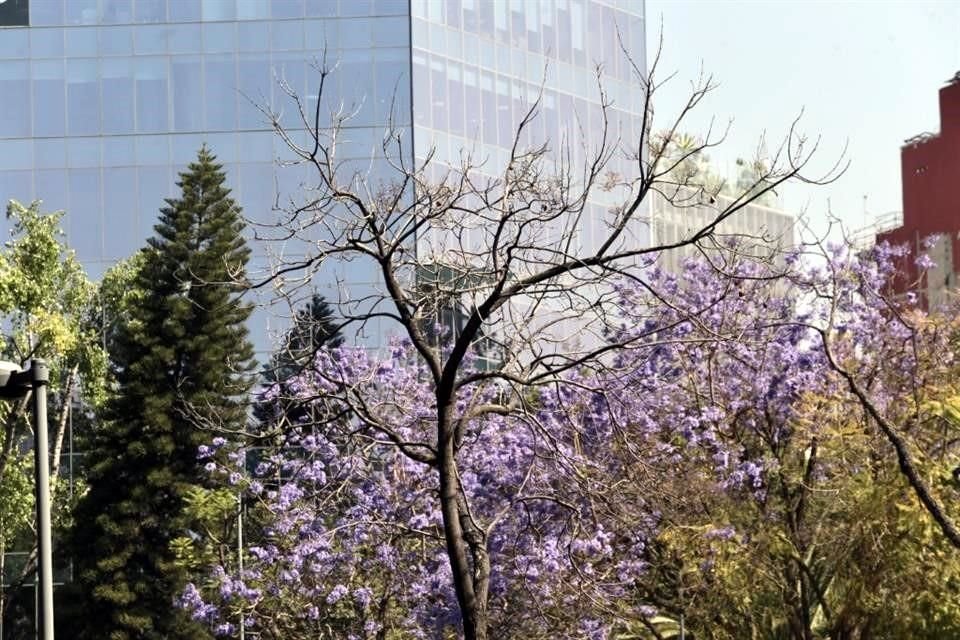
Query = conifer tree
x=314 y=327
x=181 y=361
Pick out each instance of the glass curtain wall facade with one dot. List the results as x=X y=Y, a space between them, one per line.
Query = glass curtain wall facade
x=105 y=100
x=478 y=66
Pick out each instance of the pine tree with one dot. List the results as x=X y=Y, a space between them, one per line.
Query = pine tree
x=314 y=327
x=181 y=361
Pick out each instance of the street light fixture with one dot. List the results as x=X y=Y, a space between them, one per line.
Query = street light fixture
x=16 y=383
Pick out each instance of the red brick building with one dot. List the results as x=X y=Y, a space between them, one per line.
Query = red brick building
x=930 y=169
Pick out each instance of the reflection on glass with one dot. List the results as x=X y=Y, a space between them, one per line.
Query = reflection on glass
x=49 y=116
x=151 y=87
x=220 y=73
x=187 y=88
x=83 y=98
x=121 y=225
x=84 y=226
x=118 y=95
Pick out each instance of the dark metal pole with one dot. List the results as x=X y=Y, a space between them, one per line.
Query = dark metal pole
x=39 y=378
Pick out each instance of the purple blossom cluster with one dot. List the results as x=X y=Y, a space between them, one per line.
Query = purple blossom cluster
x=715 y=366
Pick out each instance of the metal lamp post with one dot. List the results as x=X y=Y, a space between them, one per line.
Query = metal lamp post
x=16 y=383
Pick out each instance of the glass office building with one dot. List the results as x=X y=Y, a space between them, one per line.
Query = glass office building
x=103 y=101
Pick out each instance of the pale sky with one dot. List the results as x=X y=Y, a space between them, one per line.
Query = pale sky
x=866 y=74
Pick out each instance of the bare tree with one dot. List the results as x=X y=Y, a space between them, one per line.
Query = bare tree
x=507 y=246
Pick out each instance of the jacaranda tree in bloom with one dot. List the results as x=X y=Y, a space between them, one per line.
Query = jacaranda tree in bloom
x=352 y=540
x=515 y=255
x=622 y=498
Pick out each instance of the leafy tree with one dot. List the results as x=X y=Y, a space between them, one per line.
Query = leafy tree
x=45 y=300
x=181 y=362
x=746 y=492
x=542 y=244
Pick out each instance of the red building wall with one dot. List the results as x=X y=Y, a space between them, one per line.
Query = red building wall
x=930 y=174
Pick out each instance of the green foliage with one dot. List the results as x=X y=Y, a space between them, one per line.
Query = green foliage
x=181 y=362
x=211 y=538
x=314 y=327
x=45 y=305
x=16 y=498
x=839 y=545
x=45 y=298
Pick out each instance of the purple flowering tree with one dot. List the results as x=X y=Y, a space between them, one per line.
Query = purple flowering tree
x=612 y=499
x=773 y=415
x=474 y=469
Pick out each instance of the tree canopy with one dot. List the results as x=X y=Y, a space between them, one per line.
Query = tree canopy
x=181 y=362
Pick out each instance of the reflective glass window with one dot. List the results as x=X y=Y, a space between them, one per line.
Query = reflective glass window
x=115 y=11
x=357 y=86
x=455 y=97
x=121 y=228
x=220 y=37
x=187 y=73
x=421 y=33
x=220 y=83
x=46 y=12
x=224 y=146
x=287 y=35
x=83 y=152
x=320 y=8
x=153 y=185
x=359 y=142
x=49 y=153
x=253 y=9
x=356 y=34
x=81 y=42
x=320 y=35
x=184 y=38
x=84 y=226
x=257 y=146
x=185 y=147
x=119 y=151
x=151 y=87
x=116 y=41
x=153 y=150
x=391 y=32
x=253 y=36
x=488 y=103
x=81 y=12
x=14 y=43
x=421 y=90
x=355 y=8
x=150 y=39
x=83 y=98
x=49 y=117
x=17 y=154
x=214 y=10
x=390 y=7
x=15 y=103
x=151 y=10
x=51 y=187
x=256 y=82
x=438 y=83
x=291 y=71
x=184 y=10
x=286 y=8
x=117 y=84
x=46 y=43
x=472 y=99
x=392 y=69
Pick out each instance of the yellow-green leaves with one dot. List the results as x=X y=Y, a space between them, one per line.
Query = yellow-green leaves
x=45 y=299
